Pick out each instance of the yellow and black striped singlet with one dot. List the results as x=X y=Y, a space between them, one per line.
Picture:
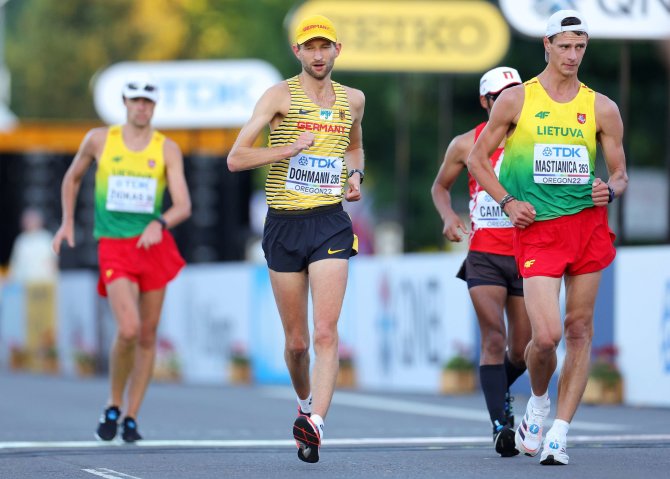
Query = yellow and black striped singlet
x=314 y=177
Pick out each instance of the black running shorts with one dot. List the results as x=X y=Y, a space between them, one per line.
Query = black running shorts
x=481 y=269
x=294 y=239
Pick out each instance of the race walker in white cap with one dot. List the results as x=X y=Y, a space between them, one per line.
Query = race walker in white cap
x=137 y=255
x=489 y=269
x=548 y=187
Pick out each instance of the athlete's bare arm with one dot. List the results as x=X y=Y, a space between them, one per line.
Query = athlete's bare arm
x=504 y=117
x=271 y=108
x=90 y=149
x=181 y=200
x=609 y=131
x=354 y=157
x=455 y=161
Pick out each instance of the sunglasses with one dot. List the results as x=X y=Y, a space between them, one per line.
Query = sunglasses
x=493 y=97
x=141 y=86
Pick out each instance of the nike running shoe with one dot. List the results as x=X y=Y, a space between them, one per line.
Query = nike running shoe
x=554 y=452
x=528 y=437
x=108 y=424
x=307 y=438
x=129 y=431
x=503 y=438
x=509 y=409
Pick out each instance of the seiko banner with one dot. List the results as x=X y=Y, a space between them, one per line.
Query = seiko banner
x=420 y=36
x=615 y=19
x=192 y=94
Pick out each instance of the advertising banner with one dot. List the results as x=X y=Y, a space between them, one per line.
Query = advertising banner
x=616 y=19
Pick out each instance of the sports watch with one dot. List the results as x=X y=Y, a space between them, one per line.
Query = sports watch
x=356 y=170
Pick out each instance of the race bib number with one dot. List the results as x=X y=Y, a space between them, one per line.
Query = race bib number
x=486 y=213
x=314 y=175
x=561 y=164
x=131 y=194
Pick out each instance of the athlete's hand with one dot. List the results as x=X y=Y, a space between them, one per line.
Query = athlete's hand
x=304 y=141
x=152 y=234
x=65 y=232
x=521 y=213
x=454 y=229
x=353 y=192
x=600 y=193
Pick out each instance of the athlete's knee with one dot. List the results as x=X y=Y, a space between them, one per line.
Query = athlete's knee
x=578 y=331
x=546 y=343
x=493 y=344
x=325 y=338
x=147 y=339
x=297 y=348
x=128 y=331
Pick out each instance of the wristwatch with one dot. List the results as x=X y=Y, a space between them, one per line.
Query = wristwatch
x=611 y=194
x=162 y=221
x=356 y=170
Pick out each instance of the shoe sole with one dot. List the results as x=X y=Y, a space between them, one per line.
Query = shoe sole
x=307 y=441
x=505 y=444
x=550 y=461
x=518 y=442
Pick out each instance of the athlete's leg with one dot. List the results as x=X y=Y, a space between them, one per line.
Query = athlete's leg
x=123 y=296
x=290 y=292
x=541 y=298
x=151 y=304
x=580 y=300
x=518 y=332
x=328 y=282
x=489 y=302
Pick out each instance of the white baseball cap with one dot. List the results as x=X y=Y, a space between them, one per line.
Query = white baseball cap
x=141 y=86
x=556 y=23
x=496 y=80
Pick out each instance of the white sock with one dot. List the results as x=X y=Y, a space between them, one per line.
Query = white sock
x=559 y=429
x=318 y=422
x=305 y=404
x=540 y=402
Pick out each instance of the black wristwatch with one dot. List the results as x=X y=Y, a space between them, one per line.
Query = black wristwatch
x=611 y=191
x=162 y=221
x=356 y=170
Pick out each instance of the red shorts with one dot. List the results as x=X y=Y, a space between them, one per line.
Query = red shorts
x=576 y=244
x=151 y=269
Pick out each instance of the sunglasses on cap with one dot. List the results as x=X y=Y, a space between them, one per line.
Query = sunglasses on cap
x=141 y=86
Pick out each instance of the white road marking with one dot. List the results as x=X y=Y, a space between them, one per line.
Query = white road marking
x=373 y=441
x=379 y=403
x=109 y=473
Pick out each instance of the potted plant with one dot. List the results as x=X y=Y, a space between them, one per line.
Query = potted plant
x=18 y=357
x=49 y=356
x=459 y=373
x=239 y=365
x=85 y=362
x=605 y=382
x=346 y=376
x=166 y=367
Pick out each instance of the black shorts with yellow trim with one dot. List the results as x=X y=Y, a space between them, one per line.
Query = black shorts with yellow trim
x=293 y=239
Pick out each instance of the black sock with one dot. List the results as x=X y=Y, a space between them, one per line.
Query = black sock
x=494 y=386
x=512 y=372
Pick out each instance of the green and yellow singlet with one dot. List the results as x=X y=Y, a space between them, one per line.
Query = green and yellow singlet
x=314 y=177
x=550 y=157
x=129 y=186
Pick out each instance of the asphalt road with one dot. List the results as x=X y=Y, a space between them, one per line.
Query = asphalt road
x=198 y=432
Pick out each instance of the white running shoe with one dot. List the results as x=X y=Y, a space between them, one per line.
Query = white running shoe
x=554 y=452
x=528 y=437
